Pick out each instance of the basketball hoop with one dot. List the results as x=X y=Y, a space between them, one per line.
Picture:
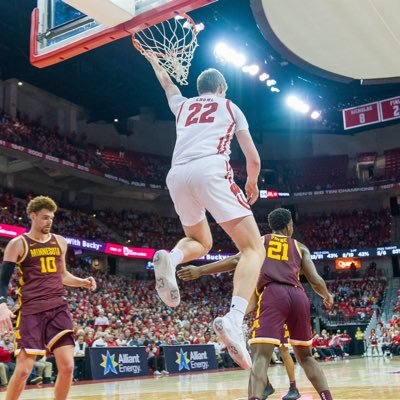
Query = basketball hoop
x=173 y=42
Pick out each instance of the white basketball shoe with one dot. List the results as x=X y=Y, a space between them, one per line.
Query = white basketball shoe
x=232 y=337
x=166 y=285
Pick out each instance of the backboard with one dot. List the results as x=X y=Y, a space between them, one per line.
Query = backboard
x=59 y=31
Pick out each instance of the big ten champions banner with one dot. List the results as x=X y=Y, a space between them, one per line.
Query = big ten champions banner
x=115 y=362
x=188 y=358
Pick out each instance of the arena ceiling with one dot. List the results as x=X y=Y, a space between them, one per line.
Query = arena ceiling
x=115 y=81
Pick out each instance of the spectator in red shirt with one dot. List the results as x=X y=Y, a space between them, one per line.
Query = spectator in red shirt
x=6 y=359
x=110 y=340
x=101 y=321
x=395 y=348
x=345 y=339
x=321 y=346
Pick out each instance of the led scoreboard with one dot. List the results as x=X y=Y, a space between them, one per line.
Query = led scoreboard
x=366 y=114
x=390 y=109
x=372 y=113
x=359 y=253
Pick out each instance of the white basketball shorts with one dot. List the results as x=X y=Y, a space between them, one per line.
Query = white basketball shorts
x=206 y=184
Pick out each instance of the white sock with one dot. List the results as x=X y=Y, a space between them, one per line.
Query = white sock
x=238 y=309
x=176 y=257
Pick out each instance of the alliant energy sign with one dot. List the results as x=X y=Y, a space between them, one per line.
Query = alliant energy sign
x=190 y=358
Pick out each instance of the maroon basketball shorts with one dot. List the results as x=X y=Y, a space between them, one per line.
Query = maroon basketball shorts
x=278 y=305
x=39 y=332
x=285 y=336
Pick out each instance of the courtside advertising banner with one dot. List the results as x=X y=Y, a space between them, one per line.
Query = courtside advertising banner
x=188 y=358
x=119 y=250
x=11 y=231
x=117 y=362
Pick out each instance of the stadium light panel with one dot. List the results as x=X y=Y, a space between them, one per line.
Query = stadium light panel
x=240 y=60
x=253 y=69
x=224 y=53
x=263 y=77
x=315 y=114
x=297 y=104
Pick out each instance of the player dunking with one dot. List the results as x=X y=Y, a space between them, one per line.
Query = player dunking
x=44 y=322
x=201 y=179
x=281 y=300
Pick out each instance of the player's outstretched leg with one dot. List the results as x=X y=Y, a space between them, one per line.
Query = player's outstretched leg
x=196 y=244
x=244 y=232
x=166 y=285
x=234 y=340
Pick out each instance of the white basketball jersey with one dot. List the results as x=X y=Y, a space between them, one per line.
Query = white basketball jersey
x=205 y=126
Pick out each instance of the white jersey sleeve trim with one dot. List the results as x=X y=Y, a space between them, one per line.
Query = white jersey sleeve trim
x=175 y=103
x=240 y=119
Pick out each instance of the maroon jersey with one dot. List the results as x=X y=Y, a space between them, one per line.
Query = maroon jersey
x=282 y=262
x=40 y=283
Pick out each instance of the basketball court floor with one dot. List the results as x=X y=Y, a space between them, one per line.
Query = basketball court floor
x=369 y=378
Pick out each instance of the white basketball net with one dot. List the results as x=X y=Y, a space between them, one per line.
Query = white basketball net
x=173 y=42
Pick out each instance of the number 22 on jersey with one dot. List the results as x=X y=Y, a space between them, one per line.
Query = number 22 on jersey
x=201 y=113
x=278 y=251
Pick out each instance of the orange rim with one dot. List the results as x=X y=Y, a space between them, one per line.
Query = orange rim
x=139 y=47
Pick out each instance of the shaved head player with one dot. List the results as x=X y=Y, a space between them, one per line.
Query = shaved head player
x=43 y=322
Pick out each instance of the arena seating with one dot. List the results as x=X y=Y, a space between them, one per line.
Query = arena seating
x=362 y=228
x=357 y=299
x=368 y=157
x=312 y=173
x=137 y=316
x=67 y=222
x=359 y=228
x=392 y=163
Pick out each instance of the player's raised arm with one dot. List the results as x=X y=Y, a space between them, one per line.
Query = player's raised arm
x=69 y=279
x=165 y=81
x=190 y=272
x=315 y=280
x=253 y=164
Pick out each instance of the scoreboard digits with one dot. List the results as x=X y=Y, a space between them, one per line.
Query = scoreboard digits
x=372 y=113
x=357 y=253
